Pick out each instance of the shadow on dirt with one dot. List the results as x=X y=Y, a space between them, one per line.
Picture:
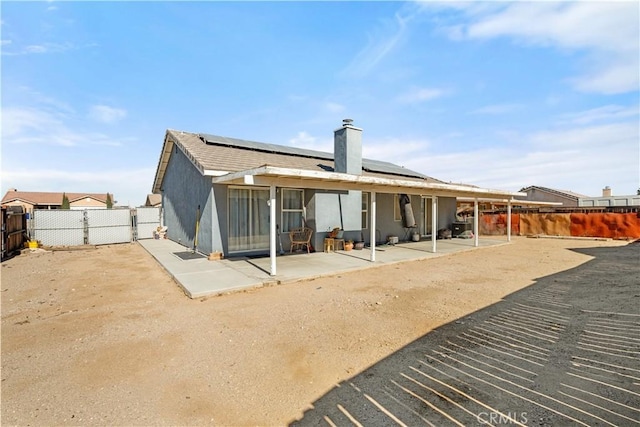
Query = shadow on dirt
x=563 y=351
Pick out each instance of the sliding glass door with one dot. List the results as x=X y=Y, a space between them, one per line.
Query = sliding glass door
x=248 y=219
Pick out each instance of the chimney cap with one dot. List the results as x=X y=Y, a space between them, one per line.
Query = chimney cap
x=347 y=122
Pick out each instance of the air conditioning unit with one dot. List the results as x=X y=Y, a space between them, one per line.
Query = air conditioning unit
x=457 y=228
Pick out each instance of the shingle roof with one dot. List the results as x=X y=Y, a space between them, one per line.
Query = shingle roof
x=50 y=198
x=223 y=154
x=153 y=199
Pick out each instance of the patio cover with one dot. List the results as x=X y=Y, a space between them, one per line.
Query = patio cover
x=300 y=178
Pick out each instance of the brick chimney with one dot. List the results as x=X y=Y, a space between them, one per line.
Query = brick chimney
x=347 y=148
x=606 y=191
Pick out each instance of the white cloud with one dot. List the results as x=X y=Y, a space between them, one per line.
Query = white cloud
x=304 y=140
x=106 y=114
x=607 y=31
x=417 y=95
x=382 y=42
x=42 y=126
x=605 y=113
x=498 y=109
x=582 y=158
x=38 y=49
x=396 y=150
x=334 y=107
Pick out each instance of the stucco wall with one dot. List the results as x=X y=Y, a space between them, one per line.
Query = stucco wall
x=87 y=203
x=550 y=224
x=323 y=214
x=183 y=189
x=612 y=225
x=496 y=224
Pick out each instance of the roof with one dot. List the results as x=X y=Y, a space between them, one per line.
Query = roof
x=218 y=155
x=153 y=199
x=235 y=161
x=564 y=193
x=49 y=198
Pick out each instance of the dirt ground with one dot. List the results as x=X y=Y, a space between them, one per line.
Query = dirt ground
x=105 y=337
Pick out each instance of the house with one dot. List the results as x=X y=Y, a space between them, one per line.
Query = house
x=153 y=200
x=609 y=200
x=241 y=197
x=545 y=194
x=31 y=200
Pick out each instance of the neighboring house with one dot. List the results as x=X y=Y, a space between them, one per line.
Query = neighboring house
x=153 y=200
x=544 y=194
x=31 y=200
x=238 y=193
x=609 y=200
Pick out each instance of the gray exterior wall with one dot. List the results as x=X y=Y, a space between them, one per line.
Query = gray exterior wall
x=329 y=209
x=386 y=224
x=347 y=148
x=183 y=189
x=219 y=218
x=323 y=214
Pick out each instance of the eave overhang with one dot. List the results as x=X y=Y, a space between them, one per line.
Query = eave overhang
x=300 y=178
x=516 y=202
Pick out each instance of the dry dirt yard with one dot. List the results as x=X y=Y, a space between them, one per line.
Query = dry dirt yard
x=105 y=337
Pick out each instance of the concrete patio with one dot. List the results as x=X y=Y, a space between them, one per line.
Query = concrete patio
x=200 y=277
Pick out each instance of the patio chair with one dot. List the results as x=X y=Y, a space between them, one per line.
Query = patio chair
x=301 y=237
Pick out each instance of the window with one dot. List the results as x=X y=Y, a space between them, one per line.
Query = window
x=365 y=211
x=397 y=216
x=292 y=209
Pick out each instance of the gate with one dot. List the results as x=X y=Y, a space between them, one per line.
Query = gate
x=147 y=220
x=58 y=227
x=93 y=226
x=106 y=226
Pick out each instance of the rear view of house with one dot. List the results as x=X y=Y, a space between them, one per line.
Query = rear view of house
x=228 y=195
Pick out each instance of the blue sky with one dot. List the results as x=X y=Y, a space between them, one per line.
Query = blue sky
x=500 y=95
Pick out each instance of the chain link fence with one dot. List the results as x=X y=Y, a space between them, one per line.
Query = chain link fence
x=93 y=226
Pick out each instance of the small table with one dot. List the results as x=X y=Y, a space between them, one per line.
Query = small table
x=331 y=244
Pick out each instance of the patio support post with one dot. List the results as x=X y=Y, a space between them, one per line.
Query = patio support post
x=372 y=227
x=272 y=228
x=509 y=221
x=476 y=231
x=434 y=222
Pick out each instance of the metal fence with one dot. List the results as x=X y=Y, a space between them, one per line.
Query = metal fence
x=146 y=221
x=93 y=226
